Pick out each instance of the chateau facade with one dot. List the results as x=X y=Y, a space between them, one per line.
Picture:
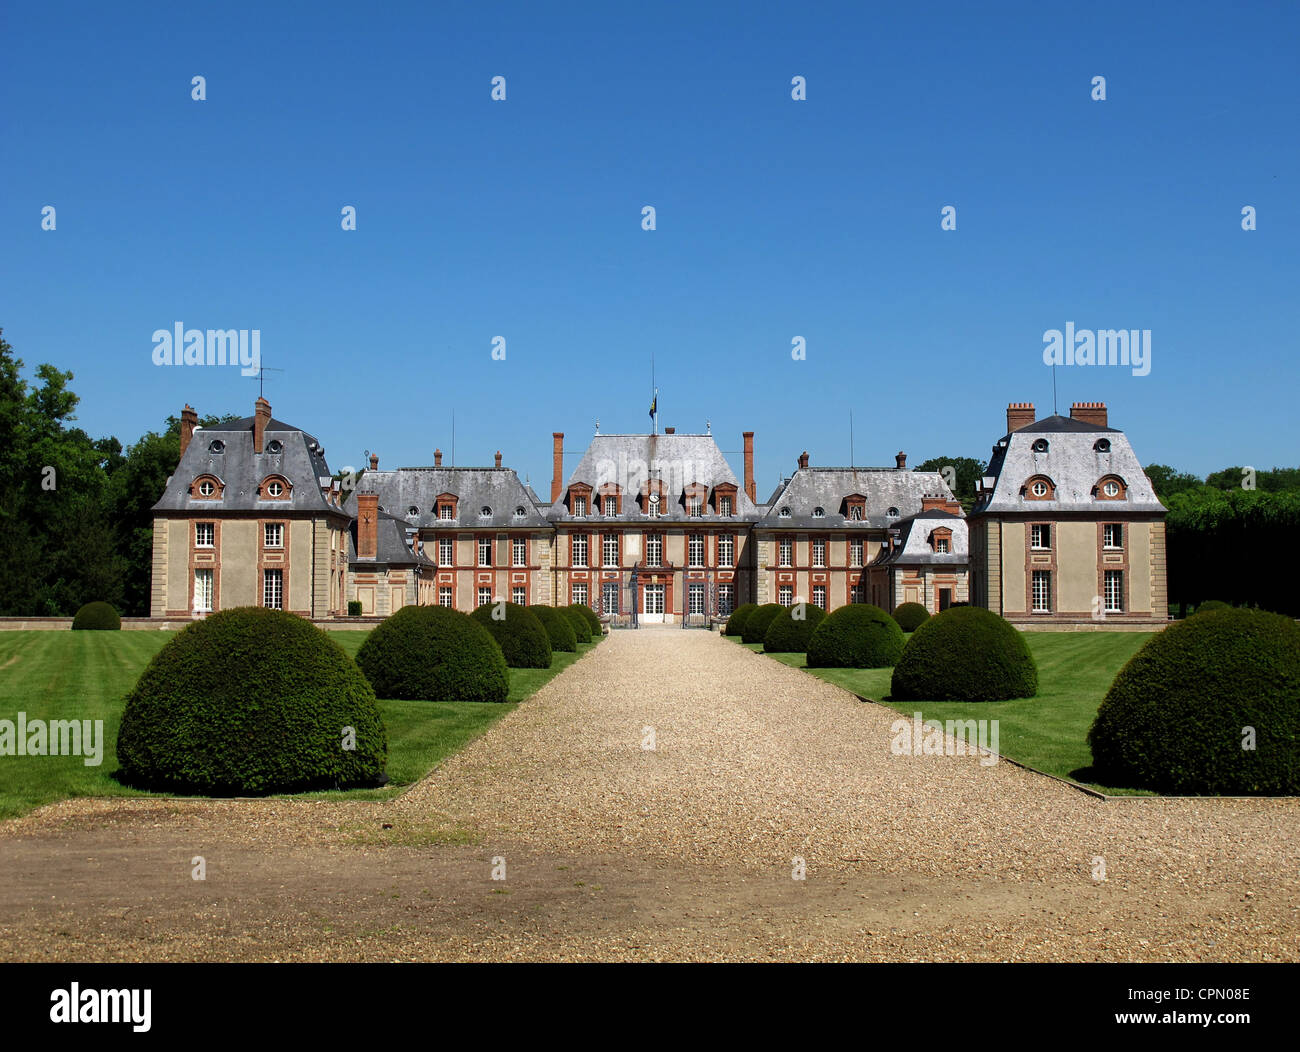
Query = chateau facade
x=1066 y=531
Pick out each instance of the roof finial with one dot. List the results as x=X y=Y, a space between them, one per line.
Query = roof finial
x=708 y=427
x=597 y=425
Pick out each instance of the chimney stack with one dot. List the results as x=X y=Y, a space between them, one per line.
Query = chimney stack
x=940 y=502
x=498 y=458
x=749 y=466
x=189 y=421
x=261 y=417
x=367 y=525
x=670 y=431
x=900 y=459
x=557 y=469
x=1093 y=413
x=803 y=459
x=374 y=461
x=1019 y=414
x=437 y=458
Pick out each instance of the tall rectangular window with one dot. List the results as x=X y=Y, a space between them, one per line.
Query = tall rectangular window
x=609 y=549
x=785 y=549
x=445 y=512
x=1040 y=536
x=694 y=507
x=724 y=505
x=654 y=549
x=695 y=549
x=1113 y=535
x=273 y=589
x=726 y=599
x=519 y=551
x=609 y=598
x=941 y=545
x=1114 y=588
x=1042 y=589
x=273 y=535
x=819 y=595
x=519 y=595
x=855 y=551
x=484 y=596
x=579 y=549
x=653 y=506
x=726 y=550
x=611 y=506
x=445 y=551
x=444 y=596
x=855 y=513
x=819 y=553
x=205 y=534
x=858 y=593
x=485 y=551
x=203 y=591
x=580 y=593
x=579 y=506
x=785 y=595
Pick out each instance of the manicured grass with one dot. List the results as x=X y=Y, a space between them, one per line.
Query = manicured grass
x=1048 y=732
x=86 y=676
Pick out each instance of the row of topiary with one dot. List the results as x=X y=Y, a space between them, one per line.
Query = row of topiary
x=251 y=700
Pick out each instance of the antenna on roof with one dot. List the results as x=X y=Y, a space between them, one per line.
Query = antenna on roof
x=850 y=438
x=1054 y=413
x=262 y=370
x=453 y=438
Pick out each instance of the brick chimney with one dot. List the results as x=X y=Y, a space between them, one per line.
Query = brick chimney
x=1093 y=413
x=749 y=466
x=374 y=461
x=498 y=464
x=670 y=431
x=557 y=467
x=437 y=458
x=803 y=459
x=1019 y=414
x=367 y=525
x=189 y=421
x=940 y=502
x=900 y=460
x=261 y=417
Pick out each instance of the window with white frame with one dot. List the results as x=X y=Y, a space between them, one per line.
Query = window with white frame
x=579 y=505
x=1112 y=534
x=445 y=512
x=726 y=599
x=694 y=507
x=445 y=551
x=858 y=593
x=726 y=550
x=785 y=551
x=724 y=505
x=444 y=596
x=941 y=545
x=654 y=549
x=579 y=549
x=609 y=549
x=819 y=552
x=519 y=551
x=273 y=589
x=695 y=549
x=695 y=599
x=580 y=593
x=273 y=535
x=203 y=591
x=485 y=551
x=609 y=598
x=484 y=596
x=1113 y=584
x=653 y=506
x=855 y=513
x=819 y=595
x=1040 y=536
x=519 y=595
x=611 y=506
x=1042 y=591
x=785 y=595
x=205 y=534
x=855 y=551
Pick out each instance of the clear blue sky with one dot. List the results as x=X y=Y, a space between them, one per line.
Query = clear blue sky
x=776 y=219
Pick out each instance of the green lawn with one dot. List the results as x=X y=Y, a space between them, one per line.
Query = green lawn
x=85 y=676
x=1049 y=732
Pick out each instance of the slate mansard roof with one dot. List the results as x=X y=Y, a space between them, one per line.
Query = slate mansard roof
x=1075 y=460
x=499 y=489
x=826 y=488
x=914 y=546
x=393 y=549
x=677 y=460
x=301 y=460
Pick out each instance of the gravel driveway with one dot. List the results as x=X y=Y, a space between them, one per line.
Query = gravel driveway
x=684 y=851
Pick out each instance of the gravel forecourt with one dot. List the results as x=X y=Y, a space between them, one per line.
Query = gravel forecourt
x=684 y=851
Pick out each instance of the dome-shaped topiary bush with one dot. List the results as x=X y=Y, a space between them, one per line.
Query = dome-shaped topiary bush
x=96 y=617
x=736 y=622
x=1176 y=718
x=581 y=630
x=521 y=637
x=558 y=627
x=1212 y=604
x=592 y=619
x=855 y=636
x=433 y=653
x=965 y=653
x=911 y=616
x=756 y=625
x=791 y=629
x=250 y=701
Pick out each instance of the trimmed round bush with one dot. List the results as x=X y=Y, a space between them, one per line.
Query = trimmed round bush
x=1175 y=718
x=98 y=617
x=791 y=629
x=592 y=619
x=736 y=622
x=856 y=636
x=558 y=627
x=250 y=701
x=433 y=653
x=911 y=616
x=1213 y=604
x=965 y=653
x=521 y=637
x=581 y=630
x=758 y=622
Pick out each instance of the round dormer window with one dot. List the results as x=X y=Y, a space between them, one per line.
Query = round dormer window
x=206 y=489
x=485 y=512
x=1040 y=445
x=1111 y=489
x=1102 y=445
x=275 y=446
x=892 y=513
x=216 y=446
x=654 y=498
x=519 y=512
x=1039 y=489
x=413 y=510
x=275 y=489
x=819 y=513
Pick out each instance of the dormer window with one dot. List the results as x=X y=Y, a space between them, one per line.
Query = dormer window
x=1102 y=445
x=855 y=512
x=413 y=511
x=579 y=506
x=274 y=488
x=276 y=446
x=206 y=488
x=446 y=505
x=445 y=512
x=1040 y=487
x=892 y=513
x=724 y=505
x=216 y=446
x=652 y=506
x=941 y=540
x=485 y=512
x=611 y=505
x=819 y=513
x=1111 y=487
x=1040 y=445
x=785 y=513
x=519 y=512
